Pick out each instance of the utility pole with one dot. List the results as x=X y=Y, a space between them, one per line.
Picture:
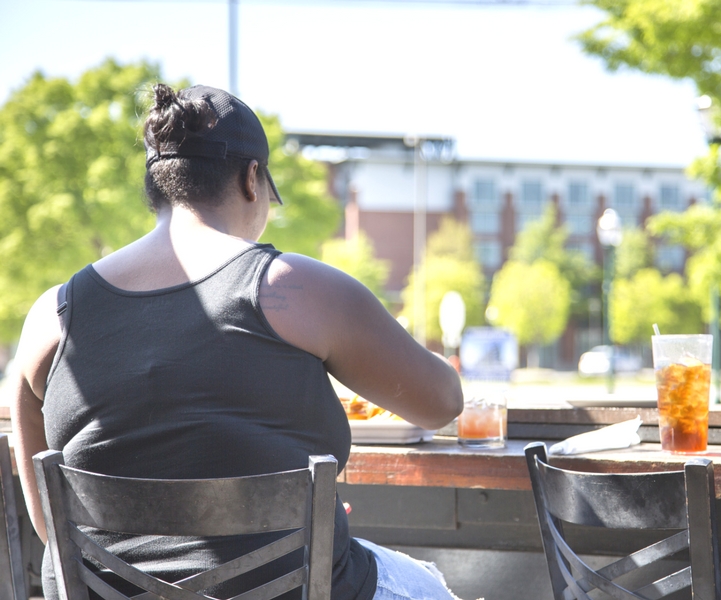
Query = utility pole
x=233 y=6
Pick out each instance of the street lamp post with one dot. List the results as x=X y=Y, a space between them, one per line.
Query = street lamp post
x=610 y=235
x=452 y=318
x=713 y=136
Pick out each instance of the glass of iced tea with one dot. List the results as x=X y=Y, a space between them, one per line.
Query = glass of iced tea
x=483 y=422
x=683 y=380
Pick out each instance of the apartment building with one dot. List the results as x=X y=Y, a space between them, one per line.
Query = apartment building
x=384 y=182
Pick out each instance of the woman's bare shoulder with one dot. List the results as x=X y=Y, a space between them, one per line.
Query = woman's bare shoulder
x=303 y=300
x=39 y=341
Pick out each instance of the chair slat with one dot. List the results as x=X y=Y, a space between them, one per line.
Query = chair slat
x=645 y=556
x=138 y=503
x=12 y=572
x=128 y=572
x=278 y=586
x=590 y=577
x=667 y=585
x=240 y=565
x=104 y=590
x=618 y=501
x=244 y=564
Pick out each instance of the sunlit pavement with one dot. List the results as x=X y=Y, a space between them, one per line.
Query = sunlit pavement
x=557 y=388
x=560 y=387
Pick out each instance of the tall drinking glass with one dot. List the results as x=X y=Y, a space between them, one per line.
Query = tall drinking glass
x=683 y=381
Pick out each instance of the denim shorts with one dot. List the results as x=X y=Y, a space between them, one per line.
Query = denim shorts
x=401 y=577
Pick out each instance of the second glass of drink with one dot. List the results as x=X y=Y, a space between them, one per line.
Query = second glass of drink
x=683 y=381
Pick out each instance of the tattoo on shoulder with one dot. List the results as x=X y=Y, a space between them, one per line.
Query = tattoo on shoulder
x=273 y=300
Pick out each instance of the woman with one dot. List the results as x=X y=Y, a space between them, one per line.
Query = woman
x=197 y=352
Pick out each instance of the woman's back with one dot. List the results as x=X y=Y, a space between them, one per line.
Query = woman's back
x=191 y=382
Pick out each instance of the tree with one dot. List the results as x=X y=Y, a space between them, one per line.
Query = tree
x=449 y=266
x=71 y=167
x=634 y=253
x=665 y=37
x=356 y=257
x=679 y=40
x=71 y=182
x=647 y=298
x=668 y=37
x=532 y=301
x=544 y=239
x=309 y=215
x=699 y=230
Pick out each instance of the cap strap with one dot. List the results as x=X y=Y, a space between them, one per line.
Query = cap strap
x=193 y=146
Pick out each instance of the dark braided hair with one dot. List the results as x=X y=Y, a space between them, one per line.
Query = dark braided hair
x=185 y=180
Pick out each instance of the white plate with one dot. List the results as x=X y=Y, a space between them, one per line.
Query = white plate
x=613 y=402
x=386 y=431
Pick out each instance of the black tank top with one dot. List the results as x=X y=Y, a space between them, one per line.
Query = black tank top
x=191 y=381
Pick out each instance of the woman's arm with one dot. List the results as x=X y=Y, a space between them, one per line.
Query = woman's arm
x=333 y=316
x=36 y=350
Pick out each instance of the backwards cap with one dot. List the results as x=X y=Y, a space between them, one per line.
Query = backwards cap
x=237 y=132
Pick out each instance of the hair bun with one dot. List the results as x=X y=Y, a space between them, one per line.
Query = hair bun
x=164 y=96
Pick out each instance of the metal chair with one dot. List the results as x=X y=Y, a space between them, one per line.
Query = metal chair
x=12 y=574
x=678 y=500
x=301 y=501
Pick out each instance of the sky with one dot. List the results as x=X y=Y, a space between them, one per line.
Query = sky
x=507 y=82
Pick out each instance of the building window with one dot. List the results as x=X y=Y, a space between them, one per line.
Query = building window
x=532 y=194
x=485 y=221
x=484 y=194
x=670 y=257
x=579 y=198
x=624 y=198
x=670 y=198
x=625 y=203
x=579 y=224
x=489 y=254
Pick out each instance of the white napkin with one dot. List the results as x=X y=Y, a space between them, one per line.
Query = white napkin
x=618 y=435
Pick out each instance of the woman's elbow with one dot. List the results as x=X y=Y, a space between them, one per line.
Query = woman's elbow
x=448 y=405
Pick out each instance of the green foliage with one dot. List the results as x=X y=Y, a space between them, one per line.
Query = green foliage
x=357 y=258
x=544 y=239
x=708 y=169
x=449 y=266
x=531 y=300
x=647 y=298
x=309 y=215
x=699 y=230
x=679 y=39
x=696 y=228
x=634 y=253
x=71 y=172
x=72 y=164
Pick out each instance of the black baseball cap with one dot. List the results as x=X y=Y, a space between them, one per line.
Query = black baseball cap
x=237 y=132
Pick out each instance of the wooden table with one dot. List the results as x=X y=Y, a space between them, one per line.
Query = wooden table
x=442 y=495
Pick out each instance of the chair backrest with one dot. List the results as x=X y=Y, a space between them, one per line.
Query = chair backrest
x=12 y=573
x=679 y=500
x=301 y=502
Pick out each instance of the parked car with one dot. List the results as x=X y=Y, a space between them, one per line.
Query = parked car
x=597 y=361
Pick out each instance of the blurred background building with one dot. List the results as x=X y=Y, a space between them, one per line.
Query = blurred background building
x=375 y=179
